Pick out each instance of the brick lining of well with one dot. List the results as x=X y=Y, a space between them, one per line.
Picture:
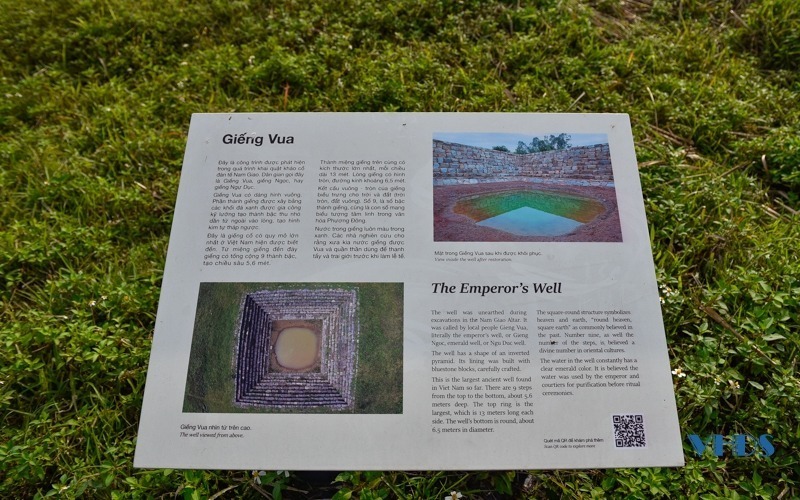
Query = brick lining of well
x=256 y=386
x=581 y=165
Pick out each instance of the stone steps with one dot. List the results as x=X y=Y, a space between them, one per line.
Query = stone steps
x=256 y=385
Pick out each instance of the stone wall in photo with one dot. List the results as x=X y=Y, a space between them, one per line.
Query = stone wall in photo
x=461 y=164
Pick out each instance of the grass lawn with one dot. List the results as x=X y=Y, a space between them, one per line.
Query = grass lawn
x=95 y=101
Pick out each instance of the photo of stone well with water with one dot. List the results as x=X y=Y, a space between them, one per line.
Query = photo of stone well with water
x=557 y=187
x=297 y=348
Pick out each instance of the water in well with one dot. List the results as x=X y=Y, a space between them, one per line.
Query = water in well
x=528 y=221
x=296 y=348
x=530 y=212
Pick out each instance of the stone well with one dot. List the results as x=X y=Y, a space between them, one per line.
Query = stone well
x=327 y=382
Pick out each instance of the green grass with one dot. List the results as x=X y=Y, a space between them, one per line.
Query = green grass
x=379 y=379
x=95 y=100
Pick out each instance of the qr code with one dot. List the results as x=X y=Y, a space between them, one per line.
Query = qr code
x=629 y=431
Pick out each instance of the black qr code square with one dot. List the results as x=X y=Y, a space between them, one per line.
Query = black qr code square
x=629 y=431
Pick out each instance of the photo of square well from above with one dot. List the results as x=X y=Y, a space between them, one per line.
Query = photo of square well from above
x=524 y=187
x=297 y=348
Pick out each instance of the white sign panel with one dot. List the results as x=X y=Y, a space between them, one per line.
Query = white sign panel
x=409 y=291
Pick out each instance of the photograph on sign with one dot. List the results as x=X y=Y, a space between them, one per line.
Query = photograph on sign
x=558 y=187
x=296 y=347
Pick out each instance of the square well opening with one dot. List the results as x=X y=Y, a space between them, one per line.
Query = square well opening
x=295 y=346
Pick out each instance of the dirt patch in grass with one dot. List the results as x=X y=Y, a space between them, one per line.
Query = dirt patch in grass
x=451 y=226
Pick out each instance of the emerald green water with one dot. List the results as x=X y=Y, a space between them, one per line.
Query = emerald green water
x=530 y=213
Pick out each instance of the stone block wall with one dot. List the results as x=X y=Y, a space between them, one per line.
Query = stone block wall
x=458 y=160
x=461 y=164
